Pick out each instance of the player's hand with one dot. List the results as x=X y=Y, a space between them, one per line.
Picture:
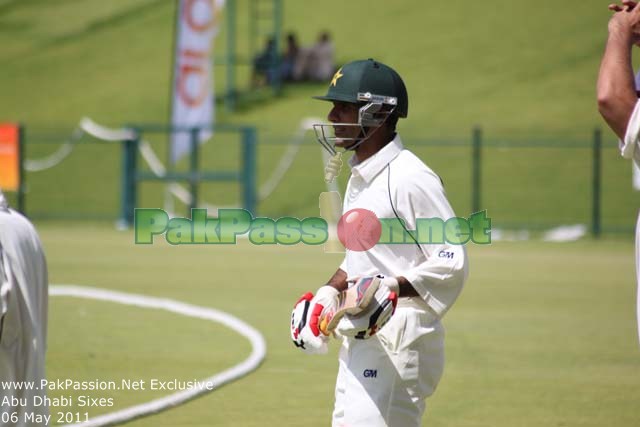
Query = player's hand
x=305 y=319
x=626 y=6
x=389 y=282
x=375 y=316
x=626 y=21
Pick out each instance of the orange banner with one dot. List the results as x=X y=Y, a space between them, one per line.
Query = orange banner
x=9 y=157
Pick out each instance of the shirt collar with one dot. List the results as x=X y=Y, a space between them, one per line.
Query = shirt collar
x=368 y=169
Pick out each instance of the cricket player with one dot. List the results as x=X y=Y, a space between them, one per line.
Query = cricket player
x=385 y=379
x=617 y=97
x=23 y=321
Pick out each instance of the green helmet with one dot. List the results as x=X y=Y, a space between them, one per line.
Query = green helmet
x=369 y=81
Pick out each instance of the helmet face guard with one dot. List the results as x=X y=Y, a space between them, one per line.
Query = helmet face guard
x=371 y=115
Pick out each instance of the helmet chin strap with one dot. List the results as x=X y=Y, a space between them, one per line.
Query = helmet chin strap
x=357 y=143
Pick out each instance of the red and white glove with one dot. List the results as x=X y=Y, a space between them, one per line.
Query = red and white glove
x=375 y=316
x=305 y=320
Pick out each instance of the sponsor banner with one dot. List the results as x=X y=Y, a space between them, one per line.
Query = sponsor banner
x=192 y=100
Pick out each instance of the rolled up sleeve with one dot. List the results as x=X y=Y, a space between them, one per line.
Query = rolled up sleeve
x=440 y=274
x=629 y=146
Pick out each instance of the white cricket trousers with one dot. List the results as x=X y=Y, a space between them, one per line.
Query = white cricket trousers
x=384 y=381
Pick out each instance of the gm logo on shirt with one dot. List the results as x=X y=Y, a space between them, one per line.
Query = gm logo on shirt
x=370 y=373
x=445 y=254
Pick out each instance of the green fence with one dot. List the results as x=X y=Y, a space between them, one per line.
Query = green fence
x=523 y=182
x=194 y=174
x=69 y=175
x=478 y=146
x=247 y=27
x=533 y=183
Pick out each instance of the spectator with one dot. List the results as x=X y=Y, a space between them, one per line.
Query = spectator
x=265 y=64
x=289 y=58
x=317 y=62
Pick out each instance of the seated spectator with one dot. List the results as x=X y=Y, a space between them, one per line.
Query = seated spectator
x=317 y=62
x=289 y=58
x=265 y=65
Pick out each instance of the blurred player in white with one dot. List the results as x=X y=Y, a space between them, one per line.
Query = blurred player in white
x=384 y=380
x=617 y=96
x=23 y=321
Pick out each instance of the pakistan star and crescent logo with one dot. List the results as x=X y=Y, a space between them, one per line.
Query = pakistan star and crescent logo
x=336 y=76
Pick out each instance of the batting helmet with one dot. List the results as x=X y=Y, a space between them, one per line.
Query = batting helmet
x=369 y=81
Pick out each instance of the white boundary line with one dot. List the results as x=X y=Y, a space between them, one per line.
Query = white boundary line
x=251 y=363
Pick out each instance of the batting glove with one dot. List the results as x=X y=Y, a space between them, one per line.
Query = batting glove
x=306 y=316
x=375 y=316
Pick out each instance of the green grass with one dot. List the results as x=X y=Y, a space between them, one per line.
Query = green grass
x=521 y=71
x=543 y=334
x=112 y=61
x=154 y=341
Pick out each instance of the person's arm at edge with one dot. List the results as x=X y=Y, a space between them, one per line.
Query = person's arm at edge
x=615 y=89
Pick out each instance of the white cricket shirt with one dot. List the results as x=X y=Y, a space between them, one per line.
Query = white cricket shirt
x=436 y=271
x=23 y=311
x=628 y=147
x=629 y=150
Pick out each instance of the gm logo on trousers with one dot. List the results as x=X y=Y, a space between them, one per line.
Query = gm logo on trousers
x=370 y=373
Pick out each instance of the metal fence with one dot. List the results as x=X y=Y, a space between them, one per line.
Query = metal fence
x=523 y=183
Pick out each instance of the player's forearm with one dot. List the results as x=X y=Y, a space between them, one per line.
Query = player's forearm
x=406 y=288
x=616 y=88
x=339 y=280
